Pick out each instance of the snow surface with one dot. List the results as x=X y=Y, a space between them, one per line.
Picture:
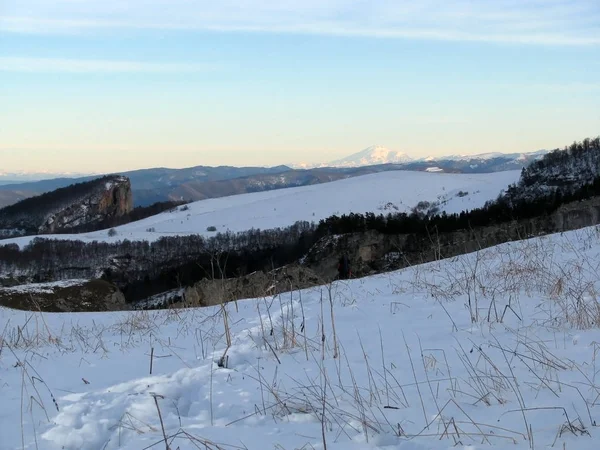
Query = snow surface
x=410 y=371
x=284 y=207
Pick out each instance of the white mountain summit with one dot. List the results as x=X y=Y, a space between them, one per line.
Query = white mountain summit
x=376 y=154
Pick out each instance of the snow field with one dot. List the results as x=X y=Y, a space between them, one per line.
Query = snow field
x=386 y=192
x=495 y=348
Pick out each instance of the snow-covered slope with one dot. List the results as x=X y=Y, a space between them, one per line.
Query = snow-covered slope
x=380 y=193
x=496 y=349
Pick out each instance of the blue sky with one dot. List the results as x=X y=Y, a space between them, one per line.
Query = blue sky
x=90 y=85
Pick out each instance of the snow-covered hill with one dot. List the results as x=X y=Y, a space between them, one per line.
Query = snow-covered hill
x=496 y=349
x=379 y=193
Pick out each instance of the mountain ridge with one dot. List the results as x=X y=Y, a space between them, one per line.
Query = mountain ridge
x=153 y=185
x=379 y=154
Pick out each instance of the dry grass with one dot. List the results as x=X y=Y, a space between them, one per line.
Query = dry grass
x=493 y=284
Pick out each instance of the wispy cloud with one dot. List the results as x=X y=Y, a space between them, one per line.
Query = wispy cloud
x=25 y=64
x=562 y=22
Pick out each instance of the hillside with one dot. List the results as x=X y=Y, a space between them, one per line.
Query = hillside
x=69 y=207
x=153 y=185
x=484 y=163
x=385 y=192
x=495 y=349
x=10 y=197
x=560 y=172
x=201 y=190
x=198 y=183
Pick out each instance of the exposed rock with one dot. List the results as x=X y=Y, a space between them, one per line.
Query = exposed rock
x=373 y=252
x=112 y=199
x=209 y=292
x=68 y=208
x=71 y=296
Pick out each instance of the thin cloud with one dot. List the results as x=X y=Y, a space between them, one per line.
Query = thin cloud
x=550 y=22
x=25 y=64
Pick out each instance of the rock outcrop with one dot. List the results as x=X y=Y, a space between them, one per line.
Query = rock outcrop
x=66 y=296
x=69 y=208
x=372 y=252
x=111 y=199
x=210 y=292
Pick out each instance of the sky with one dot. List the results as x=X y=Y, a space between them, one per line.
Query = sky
x=102 y=86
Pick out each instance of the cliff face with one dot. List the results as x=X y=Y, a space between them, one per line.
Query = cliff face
x=66 y=208
x=372 y=252
x=112 y=199
x=66 y=296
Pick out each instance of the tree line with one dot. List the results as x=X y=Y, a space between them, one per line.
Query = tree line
x=142 y=268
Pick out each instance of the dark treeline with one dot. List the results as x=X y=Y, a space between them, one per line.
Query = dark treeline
x=142 y=268
x=502 y=210
x=560 y=177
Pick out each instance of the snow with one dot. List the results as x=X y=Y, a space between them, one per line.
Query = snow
x=43 y=288
x=376 y=154
x=406 y=369
x=284 y=207
x=487 y=156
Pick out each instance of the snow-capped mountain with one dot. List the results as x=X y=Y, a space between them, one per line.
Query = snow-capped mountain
x=478 y=163
x=376 y=154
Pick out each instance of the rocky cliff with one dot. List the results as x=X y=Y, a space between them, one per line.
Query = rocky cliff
x=70 y=207
x=373 y=252
x=111 y=199
x=66 y=296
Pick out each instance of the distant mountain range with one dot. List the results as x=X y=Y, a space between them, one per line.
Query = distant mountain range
x=202 y=182
x=485 y=162
x=151 y=185
x=198 y=183
x=24 y=176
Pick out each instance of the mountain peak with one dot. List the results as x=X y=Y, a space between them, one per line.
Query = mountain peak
x=375 y=154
